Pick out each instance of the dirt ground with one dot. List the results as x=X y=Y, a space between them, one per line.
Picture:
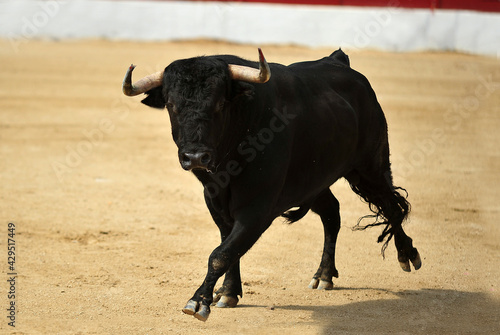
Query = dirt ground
x=113 y=237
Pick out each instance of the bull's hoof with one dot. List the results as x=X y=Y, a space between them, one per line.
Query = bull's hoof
x=405 y=266
x=314 y=283
x=190 y=307
x=417 y=262
x=223 y=301
x=325 y=285
x=227 y=301
x=320 y=284
x=201 y=312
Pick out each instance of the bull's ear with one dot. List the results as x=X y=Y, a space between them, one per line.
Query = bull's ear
x=155 y=98
x=242 y=89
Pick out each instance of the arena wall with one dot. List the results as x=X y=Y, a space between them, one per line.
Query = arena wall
x=392 y=27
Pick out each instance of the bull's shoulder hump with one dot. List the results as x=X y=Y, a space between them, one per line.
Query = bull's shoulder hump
x=341 y=57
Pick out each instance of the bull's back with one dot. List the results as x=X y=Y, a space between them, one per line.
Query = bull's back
x=327 y=108
x=334 y=106
x=342 y=97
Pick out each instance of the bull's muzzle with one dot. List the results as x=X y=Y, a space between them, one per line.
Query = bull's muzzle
x=195 y=160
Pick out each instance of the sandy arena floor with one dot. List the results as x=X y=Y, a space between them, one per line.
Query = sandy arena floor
x=112 y=236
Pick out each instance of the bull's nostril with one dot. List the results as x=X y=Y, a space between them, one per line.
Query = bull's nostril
x=185 y=158
x=205 y=158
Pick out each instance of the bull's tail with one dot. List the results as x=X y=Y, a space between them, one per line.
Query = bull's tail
x=295 y=215
x=387 y=203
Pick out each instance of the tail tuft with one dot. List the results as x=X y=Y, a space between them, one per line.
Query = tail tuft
x=385 y=212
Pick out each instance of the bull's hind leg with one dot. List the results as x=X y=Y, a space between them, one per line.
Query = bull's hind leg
x=227 y=295
x=327 y=207
x=390 y=209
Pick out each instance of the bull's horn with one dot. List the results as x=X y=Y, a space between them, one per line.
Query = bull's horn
x=142 y=85
x=249 y=74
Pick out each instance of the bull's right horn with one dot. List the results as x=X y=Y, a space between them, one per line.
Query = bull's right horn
x=142 y=85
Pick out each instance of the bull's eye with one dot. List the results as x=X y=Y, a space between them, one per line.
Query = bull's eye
x=220 y=106
x=170 y=106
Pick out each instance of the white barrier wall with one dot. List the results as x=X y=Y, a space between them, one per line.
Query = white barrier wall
x=391 y=28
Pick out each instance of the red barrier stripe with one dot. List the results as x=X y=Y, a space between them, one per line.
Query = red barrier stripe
x=479 y=5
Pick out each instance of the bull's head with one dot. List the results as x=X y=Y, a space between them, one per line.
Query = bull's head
x=197 y=93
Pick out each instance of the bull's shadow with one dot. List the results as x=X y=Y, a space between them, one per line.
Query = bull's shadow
x=426 y=311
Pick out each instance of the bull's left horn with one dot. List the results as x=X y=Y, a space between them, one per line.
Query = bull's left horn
x=249 y=74
x=142 y=85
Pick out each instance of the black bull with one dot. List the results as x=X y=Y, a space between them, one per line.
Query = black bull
x=273 y=149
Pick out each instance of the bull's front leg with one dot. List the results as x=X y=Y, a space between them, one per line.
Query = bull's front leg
x=227 y=254
x=227 y=295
